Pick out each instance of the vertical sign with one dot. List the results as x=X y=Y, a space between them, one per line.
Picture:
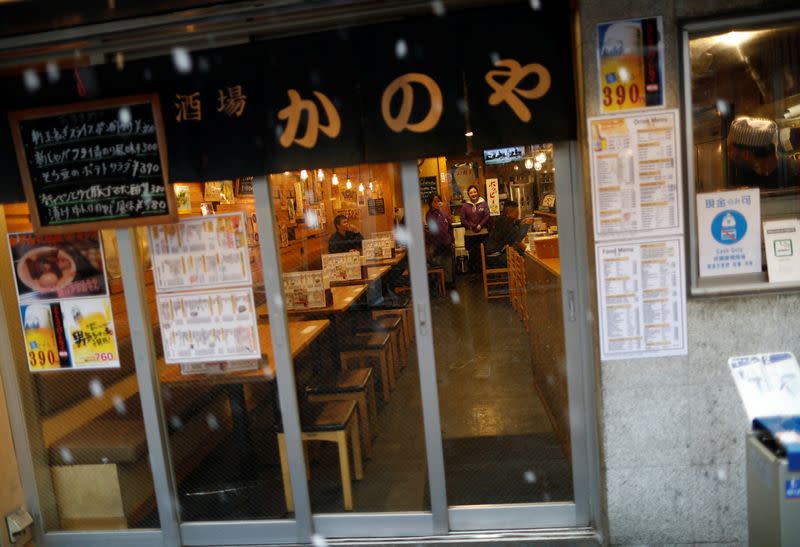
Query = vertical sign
x=493 y=196
x=630 y=57
x=63 y=301
x=729 y=232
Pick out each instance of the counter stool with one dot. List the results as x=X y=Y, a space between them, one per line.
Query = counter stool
x=405 y=336
x=333 y=422
x=438 y=272
x=352 y=385
x=372 y=345
x=391 y=325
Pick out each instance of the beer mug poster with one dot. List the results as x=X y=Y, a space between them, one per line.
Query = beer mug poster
x=65 y=309
x=630 y=60
x=729 y=232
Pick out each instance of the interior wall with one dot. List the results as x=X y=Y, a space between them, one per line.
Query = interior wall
x=672 y=429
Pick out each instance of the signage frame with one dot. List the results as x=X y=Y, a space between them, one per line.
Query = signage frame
x=18 y=116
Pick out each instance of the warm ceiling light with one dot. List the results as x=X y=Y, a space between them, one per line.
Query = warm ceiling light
x=320 y=174
x=735 y=38
x=335 y=180
x=361 y=187
x=469 y=134
x=303 y=175
x=528 y=163
x=541 y=157
x=537 y=166
x=348 y=184
x=370 y=186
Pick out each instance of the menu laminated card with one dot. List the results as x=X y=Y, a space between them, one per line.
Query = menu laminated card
x=306 y=290
x=377 y=248
x=342 y=266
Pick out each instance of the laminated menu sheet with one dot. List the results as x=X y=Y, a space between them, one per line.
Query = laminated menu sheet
x=201 y=252
x=641 y=289
x=203 y=326
x=342 y=266
x=378 y=248
x=636 y=170
x=304 y=290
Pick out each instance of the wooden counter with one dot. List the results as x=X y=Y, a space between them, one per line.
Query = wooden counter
x=553 y=265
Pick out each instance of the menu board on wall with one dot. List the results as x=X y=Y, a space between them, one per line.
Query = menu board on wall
x=342 y=266
x=641 y=288
x=636 y=171
x=427 y=188
x=204 y=326
x=304 y=290
x=377 y=248
x=208 y=251
x=63 y=301
x=98 y=164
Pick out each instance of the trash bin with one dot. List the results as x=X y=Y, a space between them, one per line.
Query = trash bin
x=773 y=481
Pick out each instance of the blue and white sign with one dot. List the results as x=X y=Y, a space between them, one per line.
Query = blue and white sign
x=729 y=232
x=792 y=491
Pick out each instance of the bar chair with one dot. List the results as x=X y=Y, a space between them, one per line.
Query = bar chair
x=376 y=346
x=494 y=277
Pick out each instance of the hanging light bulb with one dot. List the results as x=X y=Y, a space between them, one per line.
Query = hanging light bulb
x=370 y=186
x=303 y=175
x=320 y=174
x=361 y=187
x=335 y=179
x=528 y=163
x=537 y=166
x=348 y=184
x=541 y=157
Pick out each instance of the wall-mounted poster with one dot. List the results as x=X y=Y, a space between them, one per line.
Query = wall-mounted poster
x=204 y=326
x=493 y=196
x=201 y=252
x=342 y=266
x=304 y=290
x=244 y=186
x=630 y=60
x=377 y=248
x=212 y=191
x=63 y=296
x=183 y=197
x=729 y=232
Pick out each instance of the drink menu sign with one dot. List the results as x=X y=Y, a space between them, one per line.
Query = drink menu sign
x=63 y=299
x=98 y=164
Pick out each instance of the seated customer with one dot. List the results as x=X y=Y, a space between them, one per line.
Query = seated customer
x=508 y=230
x=346 y=238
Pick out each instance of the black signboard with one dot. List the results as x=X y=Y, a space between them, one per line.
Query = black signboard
x=518 y=74
x=98 y=164
x=244 y=186
x=427 y=188
x=376 y=206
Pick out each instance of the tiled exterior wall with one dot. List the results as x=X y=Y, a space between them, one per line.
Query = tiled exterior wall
x=672 y=429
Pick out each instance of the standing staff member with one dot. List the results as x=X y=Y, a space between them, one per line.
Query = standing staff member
x=440 y=237
x=474 y=217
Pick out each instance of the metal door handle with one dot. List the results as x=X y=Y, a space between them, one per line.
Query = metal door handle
x=571 y=305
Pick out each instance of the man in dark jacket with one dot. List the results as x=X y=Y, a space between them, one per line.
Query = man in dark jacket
x=346 y=238
x=508 y=231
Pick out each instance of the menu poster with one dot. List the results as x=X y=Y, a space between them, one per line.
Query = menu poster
x=183 y=197
x=377 y=248
x=782 y=246
x=100 y=164
x=636 y=169
x=304 y=290
x=389 y=234
x=631 y=64
x=728 y=232
x=493 y=196
x=202 y=326
x=64 y=306
x=428 y=186
x=201 y=252
x=342 y=266
x=212 y=191
x=642 y=293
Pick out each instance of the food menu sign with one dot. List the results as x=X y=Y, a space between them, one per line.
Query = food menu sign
x=378 y=248
x=98 y=164
x=304 y=290
x=342 y=266
x=63 y=300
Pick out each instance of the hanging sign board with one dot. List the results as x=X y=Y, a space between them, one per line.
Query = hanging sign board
x=630 y=60
x=493 y=196
x=94 y=165
x=63 y=301
x=729 y=232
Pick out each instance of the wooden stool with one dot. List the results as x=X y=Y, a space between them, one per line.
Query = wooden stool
x=494 y=277
x=328 y=422
x=439 y=272
x=392 y=325
x=396 y=312
x=374 y=345
x=352 y=385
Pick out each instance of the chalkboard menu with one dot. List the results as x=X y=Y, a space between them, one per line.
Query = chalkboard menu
x=98 y=164
x=427 y=187
x=376 y=206
x=244 y=186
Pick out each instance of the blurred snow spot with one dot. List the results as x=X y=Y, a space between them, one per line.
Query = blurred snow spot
x=401 y=49
x=438 y=8
x=182 y=60
x=455 y=297
x=624 y=74
x=536 y=5
x=119 y=404
x=31 y=80
x=119 y=60
x=175 y=422
x=213 y=423
x=723 y=107
x=314 y=78
x=550 y=380
x=124 y=115
x=53 y=73
x=402 y=236
x=318 y=540
x=96 y=388
x=66 y=455
x=494 y=57
x=278 y=132
x=462 y=106
x=722 y=474
x=202 y=64
x=529 y=476
x=433 y=227
x=278 y=301
x=148 y=75
x=545 y=497
x=104 y=459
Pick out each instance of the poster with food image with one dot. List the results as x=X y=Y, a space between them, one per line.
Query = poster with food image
x=342 y=266
x=51 y=267
x=183 y=198
x=45 y=339
x=201 y=252
x=208 y=326
x=304 y=290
